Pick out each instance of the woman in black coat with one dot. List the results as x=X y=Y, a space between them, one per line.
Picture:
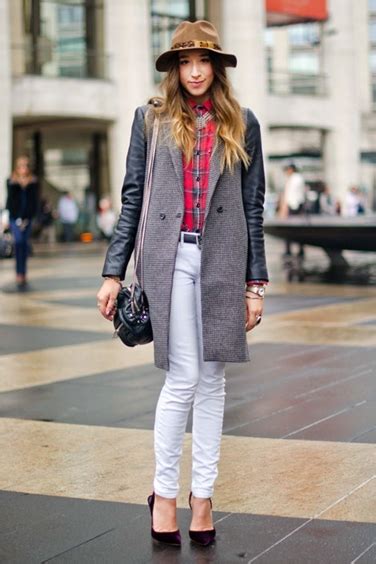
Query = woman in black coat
x=22 y=204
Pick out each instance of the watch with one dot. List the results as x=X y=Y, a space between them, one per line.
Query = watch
x=259 y=290
x=114 y=278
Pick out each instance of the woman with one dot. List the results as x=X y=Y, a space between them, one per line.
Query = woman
x=22 y=203
x=204 y=261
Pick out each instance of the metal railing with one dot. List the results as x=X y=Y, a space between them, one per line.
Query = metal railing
x=45 y=59
x=284 y=83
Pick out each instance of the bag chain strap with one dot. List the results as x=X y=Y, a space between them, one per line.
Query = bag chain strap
x=138 y=255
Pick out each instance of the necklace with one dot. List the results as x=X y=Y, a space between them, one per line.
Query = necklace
x=202 y=120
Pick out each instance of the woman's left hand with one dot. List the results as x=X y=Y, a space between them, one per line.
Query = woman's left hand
x=254 y=307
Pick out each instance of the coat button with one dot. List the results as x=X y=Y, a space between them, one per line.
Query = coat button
x=178 y=214
x=220 y=209
x=162 y=215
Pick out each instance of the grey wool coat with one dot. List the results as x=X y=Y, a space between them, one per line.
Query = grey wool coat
x=232 y=246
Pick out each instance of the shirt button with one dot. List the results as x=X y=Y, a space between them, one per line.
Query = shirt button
x=198 y=205
x=178 y=214
x=162 y=215
x=220 y=209
x=197 y=152
x=197 y=178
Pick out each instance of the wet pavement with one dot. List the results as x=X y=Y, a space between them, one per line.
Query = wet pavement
x=297 y=478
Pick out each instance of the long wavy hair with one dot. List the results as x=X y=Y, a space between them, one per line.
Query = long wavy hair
x=227 y=111
x=24 y=179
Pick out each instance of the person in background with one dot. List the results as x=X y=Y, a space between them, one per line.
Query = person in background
x=293 y=198
x=106 y=218
x=354 y=203
x=22 y=204
x=46 y=220
x=327 y=204
x=68 y=214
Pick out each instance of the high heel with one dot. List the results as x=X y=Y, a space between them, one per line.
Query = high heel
x=172 y=538
x=204 y=538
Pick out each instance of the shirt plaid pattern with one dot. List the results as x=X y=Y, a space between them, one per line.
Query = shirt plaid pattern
x=196 y=172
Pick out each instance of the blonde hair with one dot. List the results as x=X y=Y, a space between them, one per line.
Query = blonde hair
x=16 y=176
x=227 y=111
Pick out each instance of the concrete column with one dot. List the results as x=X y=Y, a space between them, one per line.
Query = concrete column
x=281 y=51
x=5 y=99
x=361 y=32
x=341 y=148
x=128 y=44
x=242 y=33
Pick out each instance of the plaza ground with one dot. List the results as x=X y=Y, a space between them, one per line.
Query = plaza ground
x=297 y=478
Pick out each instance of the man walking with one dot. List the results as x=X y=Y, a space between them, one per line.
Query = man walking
x=293 y=197
x=68 y=214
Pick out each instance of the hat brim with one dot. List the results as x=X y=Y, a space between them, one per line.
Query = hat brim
x=163 y=62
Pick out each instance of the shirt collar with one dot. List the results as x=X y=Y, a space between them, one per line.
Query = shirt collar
x=207 y=105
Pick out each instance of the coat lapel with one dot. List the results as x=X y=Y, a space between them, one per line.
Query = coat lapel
x=177 y=161
x=214 y=173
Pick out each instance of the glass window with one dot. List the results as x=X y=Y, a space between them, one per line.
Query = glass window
x=64 y=35
x=176 y=8
x=304 y=34
x=372 y=31
x=269 y=37
x=64 y=25
x=372 y=61
x=372 y=5
x=307 y=63
x=165 y=17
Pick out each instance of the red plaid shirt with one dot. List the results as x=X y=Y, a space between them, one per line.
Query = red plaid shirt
x=196 y=174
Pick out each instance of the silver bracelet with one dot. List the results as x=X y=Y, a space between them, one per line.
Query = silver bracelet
x=254 y=294
x=114 y=279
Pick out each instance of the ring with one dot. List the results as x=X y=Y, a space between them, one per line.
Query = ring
x=258 y=319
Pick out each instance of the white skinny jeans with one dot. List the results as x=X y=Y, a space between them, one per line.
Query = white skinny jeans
x=189 y=382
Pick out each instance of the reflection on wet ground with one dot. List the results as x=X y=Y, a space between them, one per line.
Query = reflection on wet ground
x=363 y=274
x=350 y=268
x=297 y=478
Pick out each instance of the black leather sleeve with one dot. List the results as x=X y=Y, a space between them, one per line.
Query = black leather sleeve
x=253 y=187
x=34 y=200
x=123 y=240
x=14 y=202
x=8 y=205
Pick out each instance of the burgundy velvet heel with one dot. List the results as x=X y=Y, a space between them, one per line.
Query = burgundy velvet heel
x=204 y=538
x=172 y=538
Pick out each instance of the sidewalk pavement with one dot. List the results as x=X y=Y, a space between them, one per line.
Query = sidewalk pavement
x=297 y=478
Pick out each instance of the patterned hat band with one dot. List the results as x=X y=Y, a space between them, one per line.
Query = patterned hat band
x=196 y=44
x=194 y=35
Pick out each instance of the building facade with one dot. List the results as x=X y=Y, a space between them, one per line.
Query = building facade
x=73 y=72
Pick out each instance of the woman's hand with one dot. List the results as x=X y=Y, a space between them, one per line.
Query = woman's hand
x=254 y=307
x=106 y=298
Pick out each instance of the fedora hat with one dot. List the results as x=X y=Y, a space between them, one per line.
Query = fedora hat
x=194 y=35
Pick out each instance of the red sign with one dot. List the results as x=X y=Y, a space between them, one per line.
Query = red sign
x=284 y=12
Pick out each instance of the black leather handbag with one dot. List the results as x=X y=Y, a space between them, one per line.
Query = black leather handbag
x=132 y=319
